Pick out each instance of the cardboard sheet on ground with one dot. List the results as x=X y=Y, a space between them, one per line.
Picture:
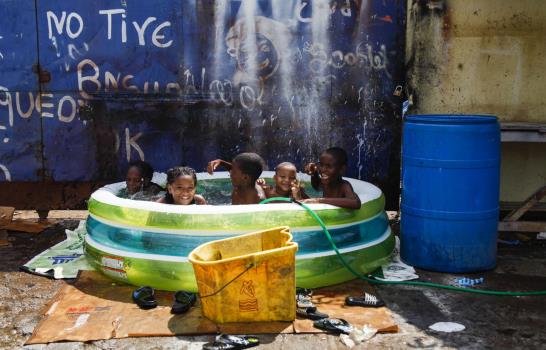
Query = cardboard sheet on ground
x=95 y=308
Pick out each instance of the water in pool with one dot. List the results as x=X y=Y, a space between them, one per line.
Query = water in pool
x=218 y=191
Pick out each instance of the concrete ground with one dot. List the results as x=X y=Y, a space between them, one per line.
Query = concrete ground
x=490 y=321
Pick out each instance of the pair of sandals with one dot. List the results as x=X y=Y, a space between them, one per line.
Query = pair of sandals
x=144 y=297
x=339 y=325
x=230 y=342
x=305 y=307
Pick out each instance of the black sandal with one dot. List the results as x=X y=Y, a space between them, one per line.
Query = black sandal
x=304 y=301
x=183 y=301
x=304 y=291
x=334 y=325
x=228 y=342
x=144 y=298
x=310 y=313
x=366 y=300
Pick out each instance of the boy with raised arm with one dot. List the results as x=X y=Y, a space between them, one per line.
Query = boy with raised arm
x=244 y=170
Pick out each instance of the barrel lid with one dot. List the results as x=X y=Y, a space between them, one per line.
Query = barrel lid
x=451 y=118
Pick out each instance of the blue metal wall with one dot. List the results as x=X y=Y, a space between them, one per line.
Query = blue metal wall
x=89 y=85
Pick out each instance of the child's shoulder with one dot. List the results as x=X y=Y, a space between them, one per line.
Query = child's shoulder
x=346 y=185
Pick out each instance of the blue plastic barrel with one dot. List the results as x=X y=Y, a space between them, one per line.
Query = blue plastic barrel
x=450 y=192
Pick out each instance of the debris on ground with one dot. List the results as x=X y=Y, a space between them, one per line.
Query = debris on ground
x=447 y=327
x=395 y=269
x=469 y=282
x=63 y=260
x=358 y=336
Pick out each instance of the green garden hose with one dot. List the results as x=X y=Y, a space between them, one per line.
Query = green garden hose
x=409 y=283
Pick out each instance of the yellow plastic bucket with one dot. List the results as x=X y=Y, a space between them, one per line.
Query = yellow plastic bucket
x=248 y=278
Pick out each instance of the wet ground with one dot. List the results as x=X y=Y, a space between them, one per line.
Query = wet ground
x=491 y=322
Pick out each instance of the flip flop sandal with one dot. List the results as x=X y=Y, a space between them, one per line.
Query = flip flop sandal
x=311 y=313
x=228 y=342
x=304 y=291
x=367 y=300
x=182 y=302
x=144 y=298
x=303 y=301
x=334 y=325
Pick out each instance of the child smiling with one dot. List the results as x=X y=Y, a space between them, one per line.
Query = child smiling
x=327 y=174
x=181 y=185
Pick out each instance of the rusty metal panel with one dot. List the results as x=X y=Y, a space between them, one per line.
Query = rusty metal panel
x=20 y=131
x=182 y=82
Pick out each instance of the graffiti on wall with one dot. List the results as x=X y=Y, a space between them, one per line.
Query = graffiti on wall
x=142 y=80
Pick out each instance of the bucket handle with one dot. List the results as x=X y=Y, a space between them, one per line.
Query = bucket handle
x=249 y=265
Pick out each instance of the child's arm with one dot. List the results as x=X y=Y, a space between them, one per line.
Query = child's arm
x=268 y=189
x=338 y=202
x=349 y=199
x=260 y=192
x=213 y=164
x=312 y=169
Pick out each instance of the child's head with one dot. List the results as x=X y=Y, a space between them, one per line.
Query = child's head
x=139 y=175
x=285 y=175
x=181 y=184
x=246 y=168
x=332 y=165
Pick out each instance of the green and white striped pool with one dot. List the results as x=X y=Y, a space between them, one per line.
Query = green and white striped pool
x=146 y=243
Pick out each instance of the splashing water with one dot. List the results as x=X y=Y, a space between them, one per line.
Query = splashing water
x=273 y=67
x=316 y=113
x=220 y=9
x=361 y=141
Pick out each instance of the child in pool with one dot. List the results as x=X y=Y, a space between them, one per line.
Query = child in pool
x=181 y=185
x=244 y=170
x=139 y=182
x=328 y=175
x=286 y=183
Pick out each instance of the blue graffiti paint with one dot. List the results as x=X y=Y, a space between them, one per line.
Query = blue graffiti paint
x=20 y=131
x=181 y=82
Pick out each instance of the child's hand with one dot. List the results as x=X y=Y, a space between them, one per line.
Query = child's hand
x=295 y=188
x=261 y=182
x=213 y=164
x=310 y=169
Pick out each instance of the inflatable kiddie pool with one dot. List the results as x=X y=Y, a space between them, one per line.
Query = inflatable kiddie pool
x=147 y=243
